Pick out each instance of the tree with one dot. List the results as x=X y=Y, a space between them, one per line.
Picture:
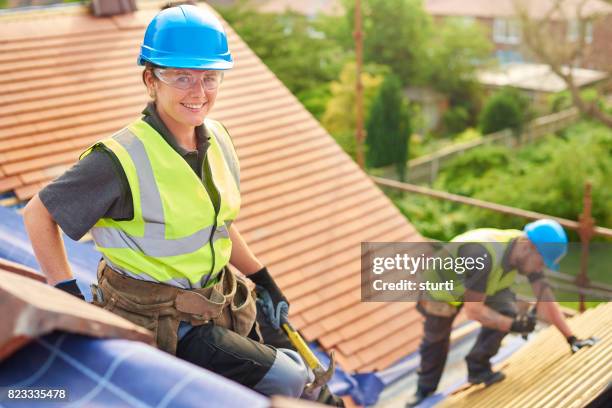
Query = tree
x=505 y=109
x=455 y=120
x=455 y=52
x=339 y=116
x=388 y=127
x=550 y=44
x=546 y=176
x=298 y=50
x=395 y=33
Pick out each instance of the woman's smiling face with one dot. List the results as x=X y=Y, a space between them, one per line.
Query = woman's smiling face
x=183 y=108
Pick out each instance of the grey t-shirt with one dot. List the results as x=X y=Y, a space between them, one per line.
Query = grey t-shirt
x=97 y=187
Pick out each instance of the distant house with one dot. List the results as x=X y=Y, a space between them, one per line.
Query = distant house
x=432 y=104
x=538 y=82
x=505 y=31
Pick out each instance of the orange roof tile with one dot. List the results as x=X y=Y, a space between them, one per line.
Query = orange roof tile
x=31 y=301
x=72 y=80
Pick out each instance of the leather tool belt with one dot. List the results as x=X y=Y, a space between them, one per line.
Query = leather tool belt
x=160 y=308
x=428 y=305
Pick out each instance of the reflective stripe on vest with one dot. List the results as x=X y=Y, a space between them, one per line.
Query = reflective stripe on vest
x=174 y=231
x=495 y=242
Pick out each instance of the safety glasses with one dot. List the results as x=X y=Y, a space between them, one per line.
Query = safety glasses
x=186 y=79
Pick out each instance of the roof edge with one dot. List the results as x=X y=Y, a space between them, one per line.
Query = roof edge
x=21 y=270
x=19 y=13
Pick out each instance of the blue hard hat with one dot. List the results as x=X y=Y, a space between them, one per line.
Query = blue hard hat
x=549 y=239
x=186 y=37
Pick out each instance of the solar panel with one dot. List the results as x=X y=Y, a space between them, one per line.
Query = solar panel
x=15 y=246
x=114 y=373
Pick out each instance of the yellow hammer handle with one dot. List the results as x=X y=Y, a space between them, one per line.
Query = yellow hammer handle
x=301 y=346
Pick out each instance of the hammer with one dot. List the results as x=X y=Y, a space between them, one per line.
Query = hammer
x=322 y=376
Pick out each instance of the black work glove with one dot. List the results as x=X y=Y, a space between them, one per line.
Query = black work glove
x=70 y=286
x=576 y=344
x=274 y=304
x=523 y=323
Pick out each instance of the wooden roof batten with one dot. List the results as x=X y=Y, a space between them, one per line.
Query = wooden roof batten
x=306 y=205
x=545 y=373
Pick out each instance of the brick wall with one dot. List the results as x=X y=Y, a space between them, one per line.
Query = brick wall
x=599 y=55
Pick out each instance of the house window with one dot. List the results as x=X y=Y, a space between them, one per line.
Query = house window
x=506 y=31
x=509 y=57
x=573 y=31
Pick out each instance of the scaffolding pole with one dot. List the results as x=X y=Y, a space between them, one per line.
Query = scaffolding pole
x=358 y=36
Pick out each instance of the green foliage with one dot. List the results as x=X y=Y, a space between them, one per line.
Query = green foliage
x=339 y=116
x=400 y=34
x=556 y=185
x=559 y=101
x=505 y=109
x=296 y=49
x=388 y=127
x=347 y=142
x=307 y=54
x=433 y=218
x=316 y=98
x=469 y=173
x=546 y=177
x=395 y=33
x=563 y=100
x=467 y=135
x=455 y=50
x=455 y=119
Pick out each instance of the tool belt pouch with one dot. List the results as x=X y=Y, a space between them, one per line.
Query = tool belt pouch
x=434 y=307
x=146 y=304
x=239 y=311
x=160 y=308
x=243 y=308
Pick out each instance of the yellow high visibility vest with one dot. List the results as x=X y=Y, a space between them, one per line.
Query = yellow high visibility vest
x=177 y=236
x=495 y=242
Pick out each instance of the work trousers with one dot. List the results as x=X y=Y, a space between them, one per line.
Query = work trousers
x=262 y=367
x=270 y=368
x=436 y=341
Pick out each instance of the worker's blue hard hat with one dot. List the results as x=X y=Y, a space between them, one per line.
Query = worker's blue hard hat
x=186 y=37
x=549 y=239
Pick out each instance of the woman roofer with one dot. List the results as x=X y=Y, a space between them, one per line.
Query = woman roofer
x=160 y=197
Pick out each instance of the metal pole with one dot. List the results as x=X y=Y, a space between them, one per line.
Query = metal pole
x=358 y=36
x=586 y=233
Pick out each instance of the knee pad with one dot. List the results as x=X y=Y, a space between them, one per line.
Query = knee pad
x=299 y=375
x=287 y=376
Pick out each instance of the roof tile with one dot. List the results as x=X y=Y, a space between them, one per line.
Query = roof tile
x=399 y=323
x=9 y=183
x=26 y=192
x=31 y=302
